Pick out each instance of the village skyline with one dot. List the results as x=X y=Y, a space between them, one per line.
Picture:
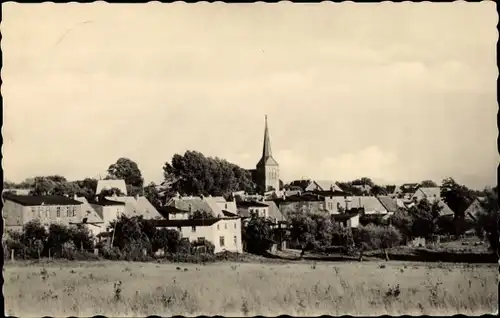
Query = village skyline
x=179 y=79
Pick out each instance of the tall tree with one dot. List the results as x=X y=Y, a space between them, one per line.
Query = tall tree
x=196 y=174
x=151 y=193
x=458 y=198
x=425 y=218
x=488 y=221
x=311 y=230
x=127 y=170
x=428 y=184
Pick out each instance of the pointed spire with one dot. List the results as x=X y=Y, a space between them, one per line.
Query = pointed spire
x=266 y=151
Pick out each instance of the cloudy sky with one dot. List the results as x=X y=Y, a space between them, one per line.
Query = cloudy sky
x=395 y=92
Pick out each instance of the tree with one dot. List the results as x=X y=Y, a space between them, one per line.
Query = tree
x=311 y=230
x=257 y=235
x=196 y=174
x=425 y=217
x=378 y=190
x=151 y=193
x=403 y=221
x=282 y=185
x=428 y=184
x=127 y=170
x=196 y=215
x=88 y=187
x=110 y=192
x=488 y=221
x=458 y=198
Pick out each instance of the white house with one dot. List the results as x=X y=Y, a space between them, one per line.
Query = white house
x=247 y=208
x=90 y=217
x=110 y=184
x=108 y=210
x=224 y=233
x=137 y=206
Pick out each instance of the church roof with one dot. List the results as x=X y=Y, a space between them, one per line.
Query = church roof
x=267 y=154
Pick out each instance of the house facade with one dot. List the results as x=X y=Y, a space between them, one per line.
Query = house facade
x=248 y=208
x=224 y=233
x=21 y=209
x=108 y=210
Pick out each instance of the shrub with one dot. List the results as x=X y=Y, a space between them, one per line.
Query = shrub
x=113 y=253
x=82 y=237
x=204 y=246
x=375 y=237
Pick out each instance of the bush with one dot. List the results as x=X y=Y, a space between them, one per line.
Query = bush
x=372 y=237
x=203 y=246
x=109 y=253
x=190 y=258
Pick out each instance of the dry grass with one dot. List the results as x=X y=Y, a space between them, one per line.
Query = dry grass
x=87 y=289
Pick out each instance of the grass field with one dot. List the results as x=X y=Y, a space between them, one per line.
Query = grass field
x=368 y=288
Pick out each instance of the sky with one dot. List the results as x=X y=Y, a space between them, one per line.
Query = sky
x=399 y=92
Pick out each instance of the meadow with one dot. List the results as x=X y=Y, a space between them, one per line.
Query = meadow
x=129 y=289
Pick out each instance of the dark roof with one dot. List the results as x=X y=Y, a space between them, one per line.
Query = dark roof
x=250 y=203
x=343 y=216
x=388 y=203
x=168 y=209
x=305 y=197
x=229 y=213
x=191 y=222
x=105 y=202
x=31 y=200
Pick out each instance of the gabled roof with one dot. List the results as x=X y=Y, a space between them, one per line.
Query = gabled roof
x=431 y=193
x=110 y=184
x=274 y=211
x=192 y=204
x=445 y=209
x=327 y=185
x=389 y=203
x=139 y=206
x=29 y=200
x=89 y=212
x=369 y=203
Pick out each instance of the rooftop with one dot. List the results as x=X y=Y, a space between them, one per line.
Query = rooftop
x=29 y=200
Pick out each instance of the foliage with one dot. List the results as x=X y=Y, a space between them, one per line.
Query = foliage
x=151 y=193
x=257 y=235
x=82 y=237
x=209 y=248
x=201 y=215
x=311 y=231
x=196 y=174
x=110 y=192
x=425 y=217
x=457 y=197
x=127 y=170
x=428 y=184
x=488 y=221
x=375 y=237
x=403 y=221
x=378 y=190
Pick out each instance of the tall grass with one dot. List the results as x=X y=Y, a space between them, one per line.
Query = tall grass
x=142 y=289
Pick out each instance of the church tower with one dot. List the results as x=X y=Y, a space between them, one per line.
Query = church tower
x=267 y=168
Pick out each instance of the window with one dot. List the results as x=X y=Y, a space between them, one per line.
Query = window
x=33 y=210
x=218 y=227
x=221 y=241
x=225 y=226
x=234 y=225
x=235 y=240
x=58 y=212
x=68 y=211
x=74 y=211
x=193 y=228
x=179 y=228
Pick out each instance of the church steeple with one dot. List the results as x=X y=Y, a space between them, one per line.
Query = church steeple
x=266 y=151
x=267 y=168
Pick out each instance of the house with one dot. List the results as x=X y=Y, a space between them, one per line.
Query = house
x=90 y=217
x=224 y=233
x=137 y=206
x=17 y=191
x=474 y=209
x=431 y=194
x=110 y=184
x=215 y=206
x=368 y=204
x=274 y=212
x=20 y=209
x=315 y=186
x=390 y=204
x=108 y=210
x=247 y=208
x=301 y=203
x=347 y=219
